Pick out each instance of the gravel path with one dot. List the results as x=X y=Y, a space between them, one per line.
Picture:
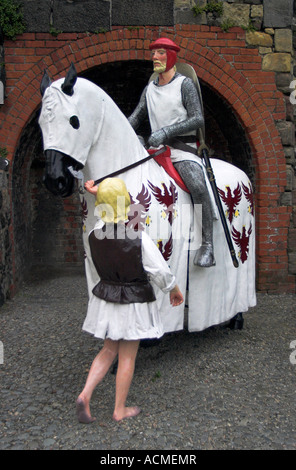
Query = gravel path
x=217 y=389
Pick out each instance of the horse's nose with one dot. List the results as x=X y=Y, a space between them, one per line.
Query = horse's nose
x=57 y=179
x=65 y=186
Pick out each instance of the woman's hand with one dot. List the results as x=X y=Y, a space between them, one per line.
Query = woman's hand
x=89 y=186
x=176 y=297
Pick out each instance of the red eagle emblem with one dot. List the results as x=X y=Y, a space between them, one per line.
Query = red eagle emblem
x=249 y=195
x=166 y=198
x=167 y=249
x=231 y=201
x=242 y=241
x=136 y=217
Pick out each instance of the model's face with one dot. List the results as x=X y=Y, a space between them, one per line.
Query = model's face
x=159 y=57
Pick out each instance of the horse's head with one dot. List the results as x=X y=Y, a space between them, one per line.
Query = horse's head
x=80 y=121
x=65 y=143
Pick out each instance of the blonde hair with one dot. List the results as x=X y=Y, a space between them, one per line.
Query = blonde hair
x=112 y=200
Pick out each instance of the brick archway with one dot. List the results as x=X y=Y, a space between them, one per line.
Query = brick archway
x=255 y=114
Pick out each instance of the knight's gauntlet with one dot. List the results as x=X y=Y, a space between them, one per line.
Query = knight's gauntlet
x=157 y=138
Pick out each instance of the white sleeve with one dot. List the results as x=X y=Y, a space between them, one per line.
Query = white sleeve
x=155 y=265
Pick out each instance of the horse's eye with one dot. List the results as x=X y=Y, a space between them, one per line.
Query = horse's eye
x=74 y=121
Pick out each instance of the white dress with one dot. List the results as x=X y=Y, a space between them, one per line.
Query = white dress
x=136 y=320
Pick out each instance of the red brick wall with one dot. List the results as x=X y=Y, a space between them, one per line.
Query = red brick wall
x=222 y=61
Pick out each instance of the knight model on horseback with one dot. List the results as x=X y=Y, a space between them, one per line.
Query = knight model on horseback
x=174 y=109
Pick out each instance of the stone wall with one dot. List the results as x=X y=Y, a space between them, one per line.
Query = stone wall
x=102 y=15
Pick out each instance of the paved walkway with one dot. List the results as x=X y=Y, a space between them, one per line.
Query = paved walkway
x=216 y=389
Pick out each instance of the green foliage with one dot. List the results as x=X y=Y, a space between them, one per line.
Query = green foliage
x=217 y=8
x=133 y=28
x=250 y=27
x=101 y=31
x=54 y=32
x=3 y=152
x=11 y=19
x=226 y=25
x=211 y=7
x=156 y=376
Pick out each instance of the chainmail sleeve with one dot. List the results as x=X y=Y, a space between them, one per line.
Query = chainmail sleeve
x=192 y=104
x=140 y=113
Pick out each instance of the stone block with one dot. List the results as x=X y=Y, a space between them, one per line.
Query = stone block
x=237 y=13
x=142 y=12
x=256 y=11
x=287 y=132
x=188 y=17
x=81 y=15
x=269 y=31
x=283 y=81
x=277 y=13
x=283 y=40
x=36 y=15
x=185 y=3
x=277 y=62
x=255 y=38
x=290 y=178
x=290 y=155
x=185 y=15
x=265 y=50
x=289 y=108
x=292 y=239
x=292 y=263
x=286 y=198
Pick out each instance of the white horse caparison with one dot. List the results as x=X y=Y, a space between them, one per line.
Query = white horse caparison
x=82 y=124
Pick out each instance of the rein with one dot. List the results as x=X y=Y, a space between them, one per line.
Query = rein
x=79 y=175
x=132 y=165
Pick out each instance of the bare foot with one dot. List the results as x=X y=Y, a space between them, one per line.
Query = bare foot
x=127 y=412
x=82 y=412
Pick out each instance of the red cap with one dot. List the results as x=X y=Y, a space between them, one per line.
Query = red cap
x=164 y=43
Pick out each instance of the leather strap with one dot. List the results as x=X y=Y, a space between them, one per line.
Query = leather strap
x=129 y=167
x=178 y=144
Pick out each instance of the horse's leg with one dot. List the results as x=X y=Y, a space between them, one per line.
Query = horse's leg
x=193 y=176
x=237 y=322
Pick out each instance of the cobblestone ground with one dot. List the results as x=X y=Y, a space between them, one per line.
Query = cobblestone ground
x=213 y=390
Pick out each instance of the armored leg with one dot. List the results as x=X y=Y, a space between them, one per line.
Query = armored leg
x=193 y=176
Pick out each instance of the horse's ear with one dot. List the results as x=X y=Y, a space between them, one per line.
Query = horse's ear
x=45 y=82
x=70 y=80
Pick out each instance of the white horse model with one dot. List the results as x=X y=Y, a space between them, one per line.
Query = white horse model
x=83 y=128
